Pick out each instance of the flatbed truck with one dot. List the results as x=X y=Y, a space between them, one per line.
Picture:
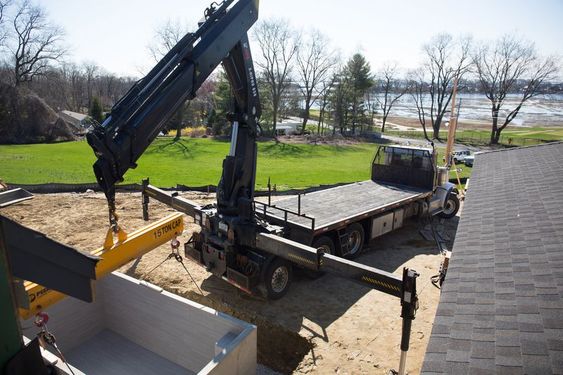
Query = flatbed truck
x=405 y=182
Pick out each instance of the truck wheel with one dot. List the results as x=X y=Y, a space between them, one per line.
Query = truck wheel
x=451 y=207
x=355 y=240
x=324 y=244
x=277 y=278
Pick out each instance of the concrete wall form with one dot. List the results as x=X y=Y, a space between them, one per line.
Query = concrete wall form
x=198 y=338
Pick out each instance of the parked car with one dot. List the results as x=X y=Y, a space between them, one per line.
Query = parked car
x=459 y=156
x=468 y=160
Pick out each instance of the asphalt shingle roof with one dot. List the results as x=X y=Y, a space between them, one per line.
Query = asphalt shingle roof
x=501 y=308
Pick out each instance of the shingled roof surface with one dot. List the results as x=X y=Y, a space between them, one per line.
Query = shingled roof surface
x=501 y=308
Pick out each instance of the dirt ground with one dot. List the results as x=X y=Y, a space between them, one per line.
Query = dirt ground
x=327 y=325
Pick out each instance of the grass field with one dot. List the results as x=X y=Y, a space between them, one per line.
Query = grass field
x=193 y=162
x=513 y=136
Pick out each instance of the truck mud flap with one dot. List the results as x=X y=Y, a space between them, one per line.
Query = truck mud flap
x=192 y=253
x=368 y=276
x=238 y=278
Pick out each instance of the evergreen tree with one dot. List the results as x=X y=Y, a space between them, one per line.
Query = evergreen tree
x=347 y=96
x=359 y=79
x=222 y=103
x=96 y=111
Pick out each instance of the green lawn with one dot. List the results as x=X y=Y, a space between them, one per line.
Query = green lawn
x=514 y=136
x=192 y=162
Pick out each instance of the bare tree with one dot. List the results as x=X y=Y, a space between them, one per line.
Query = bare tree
x=279 y=47
x=446 y=59
x=418 y=89
x=108 y=86
x=504 y=66
x=4 y=4
x=91 y=75
x=390 y=89
x=315 y=59
x=325 y=92
x=38 y=43
x=76 y=82
x=166 y=36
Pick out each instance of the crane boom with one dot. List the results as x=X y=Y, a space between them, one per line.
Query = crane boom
x=136 y=120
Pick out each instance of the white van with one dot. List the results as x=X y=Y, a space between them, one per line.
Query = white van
x=460 y=155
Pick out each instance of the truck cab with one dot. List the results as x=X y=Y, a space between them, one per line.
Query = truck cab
x=405 y=165
x=416 y=167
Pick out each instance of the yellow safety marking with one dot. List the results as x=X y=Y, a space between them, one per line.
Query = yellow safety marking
x=380 y=283
x=137 y=243
x=300 y=258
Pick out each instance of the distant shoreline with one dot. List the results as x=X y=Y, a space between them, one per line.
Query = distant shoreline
x=405 y=123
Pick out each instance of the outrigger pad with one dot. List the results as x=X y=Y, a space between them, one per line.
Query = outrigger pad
x=12 y=196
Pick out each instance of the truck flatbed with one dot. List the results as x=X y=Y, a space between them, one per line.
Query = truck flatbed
x=332 y=207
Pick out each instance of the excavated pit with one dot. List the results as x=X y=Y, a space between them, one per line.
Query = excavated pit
x=324 y=325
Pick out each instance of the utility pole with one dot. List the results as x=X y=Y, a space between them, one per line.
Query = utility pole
x=451 y=128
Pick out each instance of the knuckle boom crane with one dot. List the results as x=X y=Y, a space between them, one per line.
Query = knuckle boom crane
x=234 y=243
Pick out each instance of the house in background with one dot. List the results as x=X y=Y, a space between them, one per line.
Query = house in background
x=289 y=126
x=79 y=120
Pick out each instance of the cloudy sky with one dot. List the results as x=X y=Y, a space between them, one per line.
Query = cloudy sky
x=115 y=34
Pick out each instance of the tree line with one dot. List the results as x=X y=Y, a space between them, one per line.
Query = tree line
x=297 y=71
x=350 y=96
x=34 y=57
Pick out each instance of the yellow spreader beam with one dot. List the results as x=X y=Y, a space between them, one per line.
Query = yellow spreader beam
x=113 y=256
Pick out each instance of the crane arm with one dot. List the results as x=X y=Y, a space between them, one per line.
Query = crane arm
x=136 y=120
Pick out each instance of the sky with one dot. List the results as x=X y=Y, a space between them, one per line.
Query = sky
x=115 y=33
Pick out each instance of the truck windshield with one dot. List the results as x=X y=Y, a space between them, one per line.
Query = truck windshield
x=404 y=157
x=404 y=166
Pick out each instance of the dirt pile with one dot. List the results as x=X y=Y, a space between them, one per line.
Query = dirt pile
x=26 y=118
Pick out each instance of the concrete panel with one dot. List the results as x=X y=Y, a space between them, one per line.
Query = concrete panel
x=239 y=357
x=166 y=324
x=72 y=321
x=130 y=317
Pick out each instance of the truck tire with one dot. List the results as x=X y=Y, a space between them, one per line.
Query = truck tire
x=325 y=244
x=277 y=278
x=451 y=207
x=356 y=237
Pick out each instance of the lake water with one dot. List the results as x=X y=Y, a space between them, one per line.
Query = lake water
x=543 y=110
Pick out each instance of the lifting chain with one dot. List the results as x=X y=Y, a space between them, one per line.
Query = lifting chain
x=46 y=338
x=114 y=230
x=113 y=218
